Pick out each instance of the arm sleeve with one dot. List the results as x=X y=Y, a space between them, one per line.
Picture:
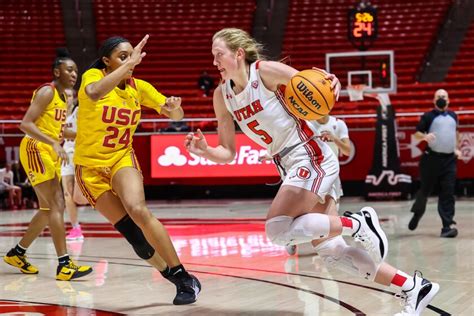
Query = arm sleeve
x=342 y=129
x=424 y=124
x=90 y=76
x=149 y=96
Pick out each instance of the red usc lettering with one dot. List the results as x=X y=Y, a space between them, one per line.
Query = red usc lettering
x=60 y=115
x=105 y=111
x=118 y=136
x=122 y=116
x=248 y=111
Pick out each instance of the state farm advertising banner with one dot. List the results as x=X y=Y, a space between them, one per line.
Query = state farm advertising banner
x=170 y=160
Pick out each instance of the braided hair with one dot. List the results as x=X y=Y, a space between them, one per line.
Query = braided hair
x=106 y=49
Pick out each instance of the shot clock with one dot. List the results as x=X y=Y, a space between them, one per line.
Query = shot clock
x=362 y=26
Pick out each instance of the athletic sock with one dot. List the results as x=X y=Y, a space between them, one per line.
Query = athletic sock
x=402 y=280
x=177 y=272
x=63 y=260
x=349 y=225
x=166 y=272
x=19 y=250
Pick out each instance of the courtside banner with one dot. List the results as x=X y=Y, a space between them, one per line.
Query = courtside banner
x=169 y=159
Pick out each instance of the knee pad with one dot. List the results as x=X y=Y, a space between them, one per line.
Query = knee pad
x=284 y=230
x=134 y=235
x=277 y=229
x=337 y=254
x=308 y=227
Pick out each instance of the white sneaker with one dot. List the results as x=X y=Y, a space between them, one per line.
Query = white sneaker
x=291 y=249
x=414 y=301
x=370 y=234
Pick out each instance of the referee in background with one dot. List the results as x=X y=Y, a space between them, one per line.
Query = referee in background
x=438 y=128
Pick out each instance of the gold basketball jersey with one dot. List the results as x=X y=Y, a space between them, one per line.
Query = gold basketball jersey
x=105 y=127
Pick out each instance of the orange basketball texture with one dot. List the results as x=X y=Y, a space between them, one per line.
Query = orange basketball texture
x=308 y=95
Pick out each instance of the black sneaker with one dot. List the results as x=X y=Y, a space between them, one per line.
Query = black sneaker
x=413 y=224
x=449 y=232
x=187 y=289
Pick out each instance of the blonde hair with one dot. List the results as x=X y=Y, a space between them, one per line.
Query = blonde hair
x=237 y=38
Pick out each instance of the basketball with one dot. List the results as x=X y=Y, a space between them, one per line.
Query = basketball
x=308 y=95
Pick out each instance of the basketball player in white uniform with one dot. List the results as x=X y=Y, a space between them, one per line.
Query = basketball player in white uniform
x=334 y=132
x=304 y=208
x=67 y=170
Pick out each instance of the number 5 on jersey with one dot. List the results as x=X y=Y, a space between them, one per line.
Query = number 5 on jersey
x=267 y=139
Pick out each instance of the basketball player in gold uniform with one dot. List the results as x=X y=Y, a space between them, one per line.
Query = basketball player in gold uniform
x=107 y=170
x=41 y=154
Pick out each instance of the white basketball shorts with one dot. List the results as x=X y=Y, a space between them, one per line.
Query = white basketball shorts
x=68 y=169
x=305 y=167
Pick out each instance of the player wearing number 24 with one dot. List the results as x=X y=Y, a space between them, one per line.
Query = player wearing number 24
x=107 y=170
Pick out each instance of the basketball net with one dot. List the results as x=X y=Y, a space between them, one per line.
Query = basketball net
x=356 y=92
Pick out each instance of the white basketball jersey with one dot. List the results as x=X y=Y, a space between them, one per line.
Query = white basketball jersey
x=334 y=126
x=71 y=124
x=262 y=115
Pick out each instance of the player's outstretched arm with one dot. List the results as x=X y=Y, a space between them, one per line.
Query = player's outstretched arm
x=99 y=89
x=224 y=152
x=173 y=109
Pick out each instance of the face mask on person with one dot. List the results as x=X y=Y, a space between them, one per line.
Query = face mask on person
x=441 y=103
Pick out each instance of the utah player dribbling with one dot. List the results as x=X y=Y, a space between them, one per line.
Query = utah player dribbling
x=107 y=170
x=304 y=208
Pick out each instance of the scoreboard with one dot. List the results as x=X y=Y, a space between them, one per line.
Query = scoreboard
x=362 y=26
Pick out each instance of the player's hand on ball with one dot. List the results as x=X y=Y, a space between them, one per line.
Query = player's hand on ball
x=335 y=83
x=196 y=143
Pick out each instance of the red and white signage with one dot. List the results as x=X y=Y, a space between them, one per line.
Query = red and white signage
x=170 y=160
x=164 y=160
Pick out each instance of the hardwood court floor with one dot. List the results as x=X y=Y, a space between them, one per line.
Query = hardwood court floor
x=223 y=243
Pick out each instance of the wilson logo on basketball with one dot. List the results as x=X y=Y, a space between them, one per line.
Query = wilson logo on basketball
x=308 y=94
x=303 y=173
